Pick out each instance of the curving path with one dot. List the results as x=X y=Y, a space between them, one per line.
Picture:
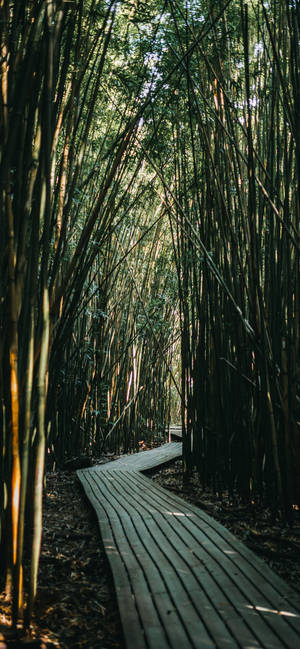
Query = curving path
x=182 y=580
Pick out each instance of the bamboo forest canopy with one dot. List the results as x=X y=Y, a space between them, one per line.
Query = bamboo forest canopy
x=149 y=246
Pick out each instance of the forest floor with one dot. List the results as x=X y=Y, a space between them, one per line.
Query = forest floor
x=76 y=605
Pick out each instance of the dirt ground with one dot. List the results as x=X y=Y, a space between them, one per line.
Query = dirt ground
x=76 y=606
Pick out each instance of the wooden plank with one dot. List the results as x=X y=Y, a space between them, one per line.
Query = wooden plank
x=137 y=565
x=136 y=530
x=126 y=502
x=292 y=640
x=182 y=580
x=242 y=570
x=236 y=549
x=256 y=596
x=263 y=594
x=240 y=597
x=133 y=551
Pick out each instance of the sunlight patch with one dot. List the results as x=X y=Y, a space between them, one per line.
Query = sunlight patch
x=271 y=610
x=179 y=514
x=231 y=552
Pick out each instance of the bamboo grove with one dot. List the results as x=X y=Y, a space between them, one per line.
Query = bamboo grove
x=149 y=248
x=232 y=192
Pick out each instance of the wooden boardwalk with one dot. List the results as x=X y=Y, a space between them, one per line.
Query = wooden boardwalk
x=175 y=432
x=182 y=580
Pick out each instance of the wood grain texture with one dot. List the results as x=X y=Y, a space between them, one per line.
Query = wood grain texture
x=182 y=580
